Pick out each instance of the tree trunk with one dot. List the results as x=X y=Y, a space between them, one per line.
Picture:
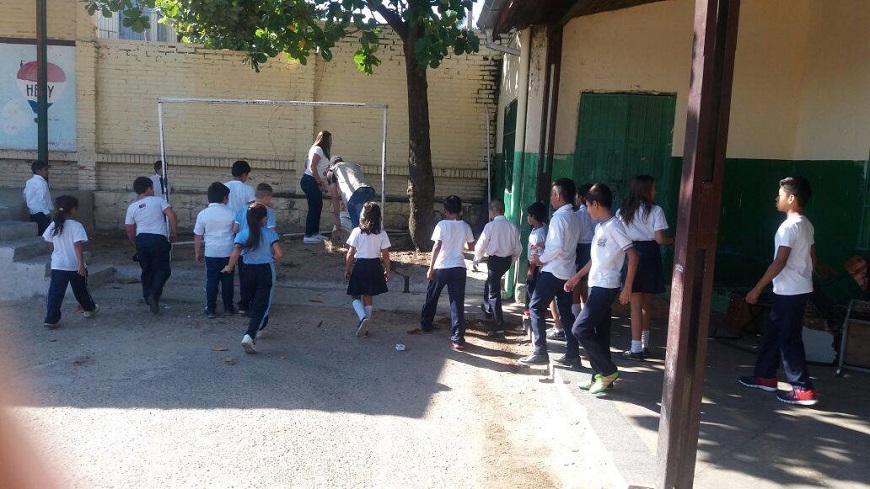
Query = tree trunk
x=421 y=182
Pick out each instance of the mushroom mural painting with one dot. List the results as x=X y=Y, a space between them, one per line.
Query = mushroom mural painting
x=18 y=97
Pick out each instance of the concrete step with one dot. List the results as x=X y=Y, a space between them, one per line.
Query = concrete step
x=23 y=248
x=100 y=275
x=15 y=230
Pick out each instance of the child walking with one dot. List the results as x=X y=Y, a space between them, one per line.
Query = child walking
x=369 y=244
x=260 y=248
x=792 y=275
x=500 y=241
x=263 y=195
x=447 y=269
x=214 y=226
x=67 y=237
x=610 y=248
x=584 y=246
x=536 y=216
x=645 y=224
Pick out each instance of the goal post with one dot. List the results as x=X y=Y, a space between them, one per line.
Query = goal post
x=295 y=103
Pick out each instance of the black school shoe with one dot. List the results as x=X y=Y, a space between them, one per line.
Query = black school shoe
x=534 y=359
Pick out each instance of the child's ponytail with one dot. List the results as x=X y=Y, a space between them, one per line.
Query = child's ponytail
x=64 y=204
x=254 y=217
x=638 y=197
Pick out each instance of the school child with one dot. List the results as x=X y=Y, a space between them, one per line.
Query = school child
x=67 y=237
x=241 y=194
x=369 y=244
x=792 y=275
x=500 y=242
x=145 y=225
x=260 y=248
x=263 y=195
x=584 y=246
x=38 y=196
x=536 y=216
x=447 y=269
x=645 y=225
x=214 y=225
x=611 y=246
x=158 y=180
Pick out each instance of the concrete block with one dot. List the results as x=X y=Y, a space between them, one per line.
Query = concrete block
x=15 y=230
x=22 y=249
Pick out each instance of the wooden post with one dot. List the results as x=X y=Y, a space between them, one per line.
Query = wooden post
x=41 y=81
x=713 y=51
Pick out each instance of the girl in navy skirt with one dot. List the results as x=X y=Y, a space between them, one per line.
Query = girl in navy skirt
x=369 y=244
x=645 y=224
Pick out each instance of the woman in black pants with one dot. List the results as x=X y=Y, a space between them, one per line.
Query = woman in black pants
x=313 y=185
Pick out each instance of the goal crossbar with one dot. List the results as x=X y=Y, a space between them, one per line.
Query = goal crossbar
x=298 y=103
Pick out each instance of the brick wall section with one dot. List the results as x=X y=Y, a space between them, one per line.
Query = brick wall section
x=18 y=19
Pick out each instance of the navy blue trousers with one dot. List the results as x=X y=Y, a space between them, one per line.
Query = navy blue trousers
x=42 y=221
x=783 y=339
x=215 y=280
x=454 y=280
x=153 y=250
x=57 y=289
x=355 y=204
x=592 y=329
x=258 y=283
x=547 y=288
x=315 y=204
x=496 y=267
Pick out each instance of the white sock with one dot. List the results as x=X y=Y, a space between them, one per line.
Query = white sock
x=576 y=308
x=636 y=346
x=368 y=311
x=358 y=308
x=644 y=338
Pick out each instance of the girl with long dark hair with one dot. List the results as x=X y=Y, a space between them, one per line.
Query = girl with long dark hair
x=369 y=244
x=313 y=184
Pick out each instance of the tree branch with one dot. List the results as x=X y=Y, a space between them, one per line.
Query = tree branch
x=393 y=19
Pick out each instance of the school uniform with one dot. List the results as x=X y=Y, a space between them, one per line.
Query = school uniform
x=159 y=184
x=64 y=269
x=592 y=327
x=313 y=194
x=449 y=271
x=587 y=231
x=241 y=194
x=215 y=225
x=242 y=221
x=650 y=276
x=560 y=250
x=537 y=239
x=152 y=244
x=367 y=276
x=783 y=334
x=500 y=242
x=258 y=281
x=39 y=203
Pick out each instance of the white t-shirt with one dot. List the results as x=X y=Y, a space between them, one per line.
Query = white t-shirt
x=215 y=225
x=349 y=177
x=241 y=194
x=368 y=245
x=147 y=215
x=537 y=239
x=157 y=182
x=322 y=164
x=587 y=227
x=608 y=254
x=64 y=255
x=37 y=195
x=644 y=226
x=797 y=233
x=560 y=252
x=453 y=236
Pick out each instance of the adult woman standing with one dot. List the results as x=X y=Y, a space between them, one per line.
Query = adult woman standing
x=313 y=185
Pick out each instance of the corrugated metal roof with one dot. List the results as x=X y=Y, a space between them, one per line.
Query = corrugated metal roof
x=503 y=15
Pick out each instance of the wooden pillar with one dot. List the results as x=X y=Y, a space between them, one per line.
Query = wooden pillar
x=41 y=81
x=714 y=46
x=548 y=115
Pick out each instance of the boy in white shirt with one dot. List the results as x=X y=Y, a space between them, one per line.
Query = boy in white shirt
x=792 y=275
x=145 y=226
x=447 y=269
x=214 y=225
x=241 y=194
x=610 y=247
x=500 y=241
x=159 y=181
x=38 y=196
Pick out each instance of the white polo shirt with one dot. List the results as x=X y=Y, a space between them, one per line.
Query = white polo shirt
x=147 y=214
x=215 y=225
x=368 y=245
x=644 y=225
x=453 y=236
x=587 y=227
x=797 y=233
x=64 y=255
x=37 y=195
x=537 y=240
x=499 y=238
x=608 y=254
x=240 y=195
x=560 y=250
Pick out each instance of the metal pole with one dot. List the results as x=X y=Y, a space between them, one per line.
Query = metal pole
x=488 y=160
x=41 y=80
x=162 y=148
x=384 y=171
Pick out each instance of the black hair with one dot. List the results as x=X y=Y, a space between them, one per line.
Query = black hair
x=263 y=189
x=582 y=190
x=158 y=165
x=496 y=205
x=600 y=194
x=565 y=188
x=453 y=204
x=799 y=187
x=370 y=218
x=538 y=211
x=38 y=165
x=217 y=192
x=638 y=197
x=254 y=216
x=141 y=184
x=64 y=204
x=324 y=140
x=240 y=168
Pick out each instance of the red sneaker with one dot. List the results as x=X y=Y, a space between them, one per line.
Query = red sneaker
x=798 y=395
x=768 y=385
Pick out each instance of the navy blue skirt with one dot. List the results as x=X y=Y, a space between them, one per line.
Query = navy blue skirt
x=650 y=277
x=367 y=277
x=584 y=254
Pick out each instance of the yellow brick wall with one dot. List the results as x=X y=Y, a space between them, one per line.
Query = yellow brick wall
x=18 y=18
